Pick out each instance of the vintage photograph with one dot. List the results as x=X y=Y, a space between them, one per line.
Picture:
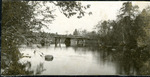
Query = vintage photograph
x=75 y=37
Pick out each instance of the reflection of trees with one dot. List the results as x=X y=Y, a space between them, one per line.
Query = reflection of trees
x=29 y=68
x=129 y=62
x=39 y=69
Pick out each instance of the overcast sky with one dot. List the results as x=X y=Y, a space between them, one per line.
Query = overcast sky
x=100 y=11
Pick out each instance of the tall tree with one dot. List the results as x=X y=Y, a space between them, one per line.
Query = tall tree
x=128 y=9
x=128 y=13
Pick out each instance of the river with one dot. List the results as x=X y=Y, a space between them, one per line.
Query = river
x=69 y=61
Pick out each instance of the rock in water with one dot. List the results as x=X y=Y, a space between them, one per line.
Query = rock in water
x=48 y=57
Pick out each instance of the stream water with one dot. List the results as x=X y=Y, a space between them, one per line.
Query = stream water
x=69 y=61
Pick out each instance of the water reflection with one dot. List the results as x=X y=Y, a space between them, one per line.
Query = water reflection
x=130 y=62
x=86 y=61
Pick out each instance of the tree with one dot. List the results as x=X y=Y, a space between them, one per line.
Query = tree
x=128 y=10
x=46 y=11
x=143 y=20
x=125 y=30
x=75 y=32
x=128 y=13
x=16 y=16
x=84 y=32
x=106 y=31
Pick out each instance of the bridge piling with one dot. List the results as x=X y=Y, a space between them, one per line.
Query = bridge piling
x=57 y=41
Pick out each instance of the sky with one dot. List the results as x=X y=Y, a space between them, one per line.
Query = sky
x=100 y=11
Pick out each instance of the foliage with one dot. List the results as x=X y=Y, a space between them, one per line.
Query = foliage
x=128 y=9
x=125 y=30
x=144 y=21
x=46 y=11
x=70 y=8
x=15 y=23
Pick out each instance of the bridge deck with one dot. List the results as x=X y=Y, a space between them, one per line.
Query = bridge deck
x=71 y=36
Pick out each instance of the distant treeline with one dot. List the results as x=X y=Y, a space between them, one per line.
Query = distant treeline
x=38 y=37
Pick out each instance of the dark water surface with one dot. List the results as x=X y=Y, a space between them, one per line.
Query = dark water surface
x=73 y=61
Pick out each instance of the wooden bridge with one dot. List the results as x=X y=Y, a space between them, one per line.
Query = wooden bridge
x=71 y=40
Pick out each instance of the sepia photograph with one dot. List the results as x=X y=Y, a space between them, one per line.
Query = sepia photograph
x=75 y=38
